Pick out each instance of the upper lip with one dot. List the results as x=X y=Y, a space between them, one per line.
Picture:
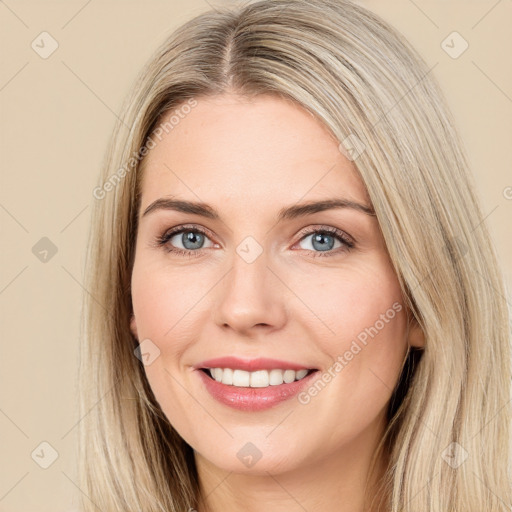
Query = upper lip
x=250 y=365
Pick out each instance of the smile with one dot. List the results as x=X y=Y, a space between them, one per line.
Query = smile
x=256 y=379
x=242 y=395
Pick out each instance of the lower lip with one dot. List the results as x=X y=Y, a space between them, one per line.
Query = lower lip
x=253 y=399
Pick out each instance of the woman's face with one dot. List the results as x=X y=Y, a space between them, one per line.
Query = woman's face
x=255 y=275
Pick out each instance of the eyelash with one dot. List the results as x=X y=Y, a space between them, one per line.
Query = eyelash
x=162 y=240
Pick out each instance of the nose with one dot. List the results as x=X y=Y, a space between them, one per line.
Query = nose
x=250 y=298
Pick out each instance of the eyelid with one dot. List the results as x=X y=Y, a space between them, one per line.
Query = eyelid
x=319 y=228
x=168 y=233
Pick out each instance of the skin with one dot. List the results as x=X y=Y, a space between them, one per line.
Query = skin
x=248 y=158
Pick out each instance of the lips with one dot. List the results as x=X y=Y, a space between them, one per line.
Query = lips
x=250 y=399
x=247 y=398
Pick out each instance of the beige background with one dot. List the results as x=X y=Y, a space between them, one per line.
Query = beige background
x=57 y=114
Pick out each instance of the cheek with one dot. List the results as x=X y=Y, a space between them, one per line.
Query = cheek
x=167 y=306
x=171 y=309
x=365 y=315
x=167 y=303
x=351 y=300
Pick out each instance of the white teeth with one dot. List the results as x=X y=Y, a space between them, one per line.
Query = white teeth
x=241 y=378
x=257 y=379
x=226 y=375
x=300 y=374
x=289 y=376
x=276 y=377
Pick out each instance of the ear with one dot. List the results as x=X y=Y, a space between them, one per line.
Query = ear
x=415 y=335
x=133 y=327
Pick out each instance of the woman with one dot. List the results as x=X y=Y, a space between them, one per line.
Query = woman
x=295 y=304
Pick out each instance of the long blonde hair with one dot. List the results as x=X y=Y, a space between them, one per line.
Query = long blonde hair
x=362 y=79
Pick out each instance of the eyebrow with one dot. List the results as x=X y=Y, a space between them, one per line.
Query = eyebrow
x=287 y=213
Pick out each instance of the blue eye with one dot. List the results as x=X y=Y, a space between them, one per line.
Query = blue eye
x=324 y=239
x=192 y=240
x=321 y=241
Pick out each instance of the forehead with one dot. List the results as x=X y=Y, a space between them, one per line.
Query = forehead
x=264 y=151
